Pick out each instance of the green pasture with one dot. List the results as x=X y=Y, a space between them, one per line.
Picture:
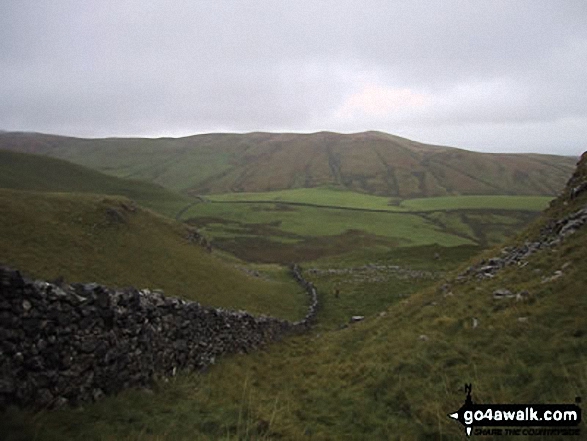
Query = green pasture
x=366 y=283
x=495 y=202
x=327 y=197
x=302 y=221
x=288 y=225
x=330 y=197
x=279 y=232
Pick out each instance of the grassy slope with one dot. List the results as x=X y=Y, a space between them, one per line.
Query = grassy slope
x=22 y=171
x=104 y=239
x=372 y=162
x=379 y=379
x=326 y=197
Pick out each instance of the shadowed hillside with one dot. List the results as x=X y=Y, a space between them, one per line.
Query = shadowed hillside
x=20 y=171
x=370 y=162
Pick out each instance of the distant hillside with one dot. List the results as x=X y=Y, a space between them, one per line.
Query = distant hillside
x=109 y=240
x=20 y=171
x=370 y=162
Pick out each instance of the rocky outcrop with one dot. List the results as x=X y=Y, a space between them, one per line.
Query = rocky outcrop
x=552 y=234
x=76 y=343
x=577 y=185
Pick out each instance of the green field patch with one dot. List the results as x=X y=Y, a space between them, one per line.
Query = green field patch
x=281 y=250
x=215 y=228
x=242 y=222
x=287 y=243
x=364 y=290
x=528 y=203
x=404 y=228
x=367 y=282
x=453 y=222
x=327 y=197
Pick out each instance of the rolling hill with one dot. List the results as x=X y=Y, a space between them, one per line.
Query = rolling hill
x=111 y=240
x=22 y=171
x=371 y=162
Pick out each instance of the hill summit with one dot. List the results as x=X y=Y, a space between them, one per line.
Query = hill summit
x=370 y=162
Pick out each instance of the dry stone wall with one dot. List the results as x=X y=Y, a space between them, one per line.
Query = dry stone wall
x=552 y=234
x=73 y=344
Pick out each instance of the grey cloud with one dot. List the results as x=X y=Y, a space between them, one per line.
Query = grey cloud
x=142 y=68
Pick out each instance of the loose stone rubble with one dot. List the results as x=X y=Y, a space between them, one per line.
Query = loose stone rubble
x=76 y=343
x=551 y=235
x=377 y=273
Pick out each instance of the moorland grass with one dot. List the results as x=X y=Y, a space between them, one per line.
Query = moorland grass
x=109 y=240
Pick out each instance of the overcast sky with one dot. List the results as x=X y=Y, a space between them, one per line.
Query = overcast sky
x=482 y=75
